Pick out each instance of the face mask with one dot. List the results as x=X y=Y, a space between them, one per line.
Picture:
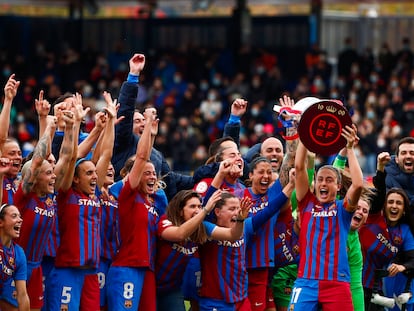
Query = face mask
x=20 y=118
x=341 y=84
x=216 y=82
x=318 y=82
x=255 y=112
x=177 y=79
x=6 y=72
x=373 y=79
x=381 y=142
x=370 y=114
x=371 y=99
x=212 y=96
x=260 y=70
x=203 y=86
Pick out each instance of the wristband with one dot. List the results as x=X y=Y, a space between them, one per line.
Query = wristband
x=293 y=137
x=205 y=210
x=342 y=158
x=234 y=119
x=133 y=78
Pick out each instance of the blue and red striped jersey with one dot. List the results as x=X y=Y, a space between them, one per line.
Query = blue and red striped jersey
x=79 y=229
x=39 y=216
x=380 y=245
x=286 y=240
x=110 y=240
x=322 y=240
x=171 y=259
x=10 y=186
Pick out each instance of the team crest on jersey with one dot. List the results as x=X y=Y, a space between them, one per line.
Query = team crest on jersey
x=128 y=304
x=49 y=202
x=287 y=290
x=292 y=307
x=397 y=240
x=296 y=249
x=11 y=261
x=64 y=307
x=201 y=187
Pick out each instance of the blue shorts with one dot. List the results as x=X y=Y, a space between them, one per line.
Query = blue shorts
x=64 y=288
x=9 y=292
x=192 y=279
x=309 y=295
x=102 y=273
x=124 y=287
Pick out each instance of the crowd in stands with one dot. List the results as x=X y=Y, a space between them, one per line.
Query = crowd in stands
x=193 y=88
x=127 y=179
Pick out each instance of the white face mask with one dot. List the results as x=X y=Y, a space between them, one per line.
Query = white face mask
x=212 y=96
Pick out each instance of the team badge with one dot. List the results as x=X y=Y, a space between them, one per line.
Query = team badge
x=292 y=307
x=287 y=290
x=64 y=307
x=128 y=304
x=11 y=261
x=14 y=294
x=201 y=187
x=49 y=202
x=397 y=240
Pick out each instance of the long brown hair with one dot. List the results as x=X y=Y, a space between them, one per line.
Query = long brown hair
x=175 y=215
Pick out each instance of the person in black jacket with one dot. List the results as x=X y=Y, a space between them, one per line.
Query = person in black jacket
x=128 y=131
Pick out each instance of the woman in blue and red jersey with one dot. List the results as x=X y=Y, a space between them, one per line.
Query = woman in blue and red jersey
x=35 y=198
x=180 y=232
x=387 y=243
x=225 y=287
x=13 y=267
x=9 y=147
x=79 y=217
x=138 y=220
x=260 y=253
x=323 y=273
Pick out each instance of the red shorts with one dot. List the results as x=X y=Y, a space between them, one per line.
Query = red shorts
x=148 y=298
x=258 y=286
x=90 y=294
x=35 y=288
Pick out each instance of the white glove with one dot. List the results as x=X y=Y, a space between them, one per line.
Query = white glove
x=383 y=301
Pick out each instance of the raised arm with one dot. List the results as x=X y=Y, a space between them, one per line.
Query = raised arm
x=42 y=108
x=292 y=141
x=355 y=190
x=40 y=153
x=127 y=97
x=107 y=139
x=10 y=91
x=143 y=150
x=302 y=186
x=232 y=127
x=87 y=144
x=77 y=115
